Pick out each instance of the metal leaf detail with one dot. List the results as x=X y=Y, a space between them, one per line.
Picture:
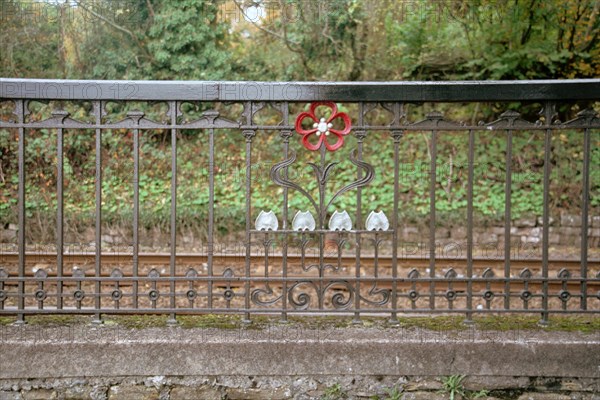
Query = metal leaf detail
x=266 y=221
x=377 y=221
x=340 y=221
x=303 y=221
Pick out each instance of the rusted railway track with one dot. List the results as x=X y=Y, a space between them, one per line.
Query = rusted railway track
x=275 y=279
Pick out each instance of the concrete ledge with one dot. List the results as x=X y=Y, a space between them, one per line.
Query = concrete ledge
x=112 y=351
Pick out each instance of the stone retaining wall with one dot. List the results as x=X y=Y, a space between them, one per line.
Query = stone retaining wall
x=297 y=387
x=565 y=231
x=294 y=362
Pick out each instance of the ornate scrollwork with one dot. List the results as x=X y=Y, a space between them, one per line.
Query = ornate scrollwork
x=302 y=300
x=258 y=293
x=322 y=174
x=375 y=291
x=369 y=174
x=340 y=300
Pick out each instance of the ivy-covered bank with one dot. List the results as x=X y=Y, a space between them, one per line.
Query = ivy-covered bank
x=229 y=169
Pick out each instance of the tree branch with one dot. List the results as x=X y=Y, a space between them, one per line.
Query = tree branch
x=150 y=8
x=119 y=28
x=270 y=32
x=103 y=18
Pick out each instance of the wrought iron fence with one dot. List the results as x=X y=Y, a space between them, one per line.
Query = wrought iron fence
x=328 y=259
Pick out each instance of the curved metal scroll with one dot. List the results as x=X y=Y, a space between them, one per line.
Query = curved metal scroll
x=278 y=178
x=322 y=174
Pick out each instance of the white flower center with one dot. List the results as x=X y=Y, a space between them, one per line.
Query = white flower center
x=322 y=127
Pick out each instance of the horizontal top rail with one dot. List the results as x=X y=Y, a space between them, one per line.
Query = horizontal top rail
x=414 y=91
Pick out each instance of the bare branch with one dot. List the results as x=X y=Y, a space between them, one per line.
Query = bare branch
x=270 y=32
x=103 y=18
x=150 y=8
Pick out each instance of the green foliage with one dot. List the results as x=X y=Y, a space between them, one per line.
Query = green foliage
x=391 y=394
x=192 y=198
x=316 y=40
x=188 y=42
x=487 y=39
x=334 y=392
x=453 y=385
x=394 y=394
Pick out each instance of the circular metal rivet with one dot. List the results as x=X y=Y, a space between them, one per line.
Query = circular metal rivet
x=228 y=294
x=153 y=294
x=451 y=295
x=413 y=295
x=525 y=295
x=191 y=294
x=488 y=295
x=564 y=295
x=40 y=295
x=79 y=295
x=116 y=294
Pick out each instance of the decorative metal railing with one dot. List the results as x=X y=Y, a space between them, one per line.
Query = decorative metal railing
x=305 y=275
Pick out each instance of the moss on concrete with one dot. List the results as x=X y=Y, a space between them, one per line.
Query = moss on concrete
x=571 y=323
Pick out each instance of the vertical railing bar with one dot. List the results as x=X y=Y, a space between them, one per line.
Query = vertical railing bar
x=211 y=209
x=136 y=211
x=248 y=134
x=98 y=257
x=360 y=135
x=585 y=195
x=172 y=261
x=546 y=212
x=397 y=135
x=59 y=216
x=507 y=216
x=20 y=108
x=432 y=185
x=2 y=289
x=471 y=166
x=286 y=144
x=322 y=152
